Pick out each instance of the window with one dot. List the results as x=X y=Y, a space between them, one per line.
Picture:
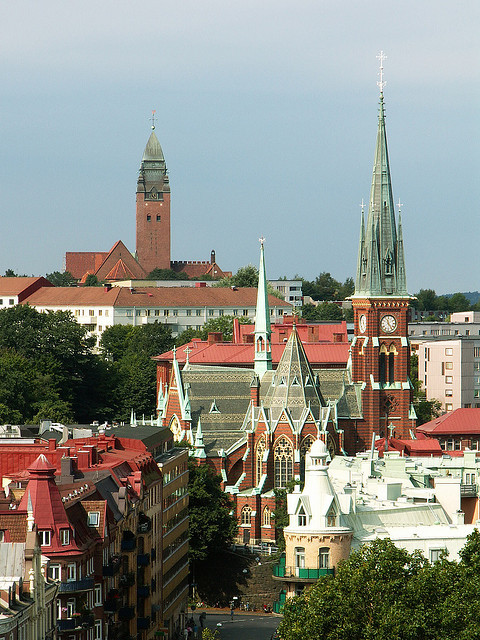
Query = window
x=449 y=407
x=149 y=218
x=324 y=558
x=11 y=301
x=246 y=516
x=476 y=352
x=71 y=608
x=448 y=365
x=189 y=312
x=106 y=312
x=165 y=312
x=259 y=461
x=198 y=312
x=158 y=218
x=55 y=571
x=64 y=537
x=210 y=312
x=304 y=448
x=221 y=312
x=299 y=559
x=435 y=554
x=448 y=379
x=449 y=392
x=98 y=595
x=91 y=312
x=71 y=571
x=266 y=518
x=283 y=457
x=302 y=517
x=449 y=351
x=100 y=312
x=45 y=538
x=2 y=535
x=476 y=393
x=245 y=312
x=476 y=366
x=98 y=630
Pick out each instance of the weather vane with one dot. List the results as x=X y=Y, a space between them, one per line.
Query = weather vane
x=381 y=56
x=362 y=205
x=261 y=240
x=153 y=118
x=399 y=205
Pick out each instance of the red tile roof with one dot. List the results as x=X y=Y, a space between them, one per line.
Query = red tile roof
x=243 y=354
x=460 y=421
x=16 y=286
x=152 y=297
x=80 y=262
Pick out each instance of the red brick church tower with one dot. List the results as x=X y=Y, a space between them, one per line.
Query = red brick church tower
x=380 y=349
x=153 y=208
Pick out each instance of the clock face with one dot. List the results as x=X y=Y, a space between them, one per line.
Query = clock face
x=362 y=324
x=388 y=324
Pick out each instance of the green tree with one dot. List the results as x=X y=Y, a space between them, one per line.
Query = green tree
x=458 y=302
x=61 y=279
x=347 y=289
x=92 y=281
x=212 y=527
x=167 y=274
x=426 y=300
x=329 y=311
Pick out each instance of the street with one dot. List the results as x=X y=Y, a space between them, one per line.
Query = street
x=244 y=626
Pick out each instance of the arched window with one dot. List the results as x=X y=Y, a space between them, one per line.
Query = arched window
x=324 y=558
x=283 y=457
x=259 y=461
x=331 y=518
x=392 y=352
x=260 y=346
x=382 y=365
x=304 y=448
x=266 y=517
x=246 y=516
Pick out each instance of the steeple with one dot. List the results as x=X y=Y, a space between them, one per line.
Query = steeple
x=153 y=169
x=381 y=266
x=263 y=352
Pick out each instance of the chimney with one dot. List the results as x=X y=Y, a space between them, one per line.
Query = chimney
x=215 y=337
x=212 y=257
x=52 y=444
x=66 y=469
x=236 y=331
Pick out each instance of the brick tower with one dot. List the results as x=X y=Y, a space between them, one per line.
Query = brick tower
x=153 y=208
x=380 y=349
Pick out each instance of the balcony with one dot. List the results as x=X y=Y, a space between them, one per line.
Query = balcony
x=126 y=613
x=468 y=490
x=75 y=586
x=112 y=568
x=66 y=624
x=297 y=573
x=143 y=591
x=143 y=559
x=128 y=544
x=143 y=623
x=128 y=579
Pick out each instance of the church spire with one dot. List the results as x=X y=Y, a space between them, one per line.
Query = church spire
x=381 y=268
x=263 y=352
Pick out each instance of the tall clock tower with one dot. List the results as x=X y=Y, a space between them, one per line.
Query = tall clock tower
x=380 y=350
x=153 y=208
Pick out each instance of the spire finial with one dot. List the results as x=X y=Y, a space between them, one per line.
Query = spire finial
x=174 y=352
x=262 y=241
x=153 y=118
x=362 y=204
x=381 y=83
x=399 y=205
x=187 y=353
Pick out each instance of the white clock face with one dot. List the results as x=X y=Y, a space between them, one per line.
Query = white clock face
x=362 y=324
x=388 y=324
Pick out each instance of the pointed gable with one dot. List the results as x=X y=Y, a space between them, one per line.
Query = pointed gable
x=120 y=255
x=291 y=385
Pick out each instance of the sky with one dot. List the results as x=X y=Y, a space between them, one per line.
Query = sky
x=267 y=116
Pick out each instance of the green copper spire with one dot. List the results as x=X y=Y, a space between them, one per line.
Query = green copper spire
x=381 y=265
x=153 y=178
x=263 y=352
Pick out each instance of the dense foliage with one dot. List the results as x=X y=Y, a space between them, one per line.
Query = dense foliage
x=385 y=593
x=48 y=369
x=222 y=324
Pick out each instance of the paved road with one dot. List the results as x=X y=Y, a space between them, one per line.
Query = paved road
x=244 y=626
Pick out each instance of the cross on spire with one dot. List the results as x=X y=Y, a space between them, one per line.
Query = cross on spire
x=381 y=83
x=362 y=204
x=186 y=351
x=261 y=240
x=399 y=205
x=153 y=118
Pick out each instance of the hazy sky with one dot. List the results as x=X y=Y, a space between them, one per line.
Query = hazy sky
x=267 y=115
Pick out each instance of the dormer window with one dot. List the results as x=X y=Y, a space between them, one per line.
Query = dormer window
x=214 y=408
x=302 y=517
x=64 y=537
x=93 y=518
x=45 y=538
x=283 y=382
x=331 y=519
x=295 y=382
x=308 y=381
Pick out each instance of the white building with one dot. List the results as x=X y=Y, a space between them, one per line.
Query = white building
x=181 y=308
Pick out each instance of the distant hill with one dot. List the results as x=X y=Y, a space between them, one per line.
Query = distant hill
x=472 y=296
